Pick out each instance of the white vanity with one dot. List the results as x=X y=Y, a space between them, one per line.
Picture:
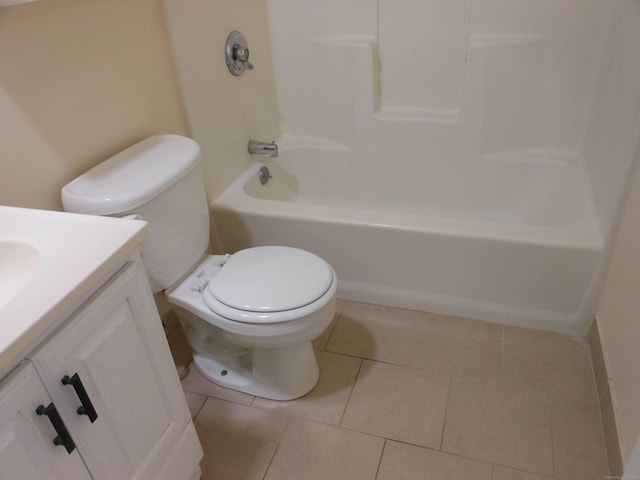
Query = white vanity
x=88 y=388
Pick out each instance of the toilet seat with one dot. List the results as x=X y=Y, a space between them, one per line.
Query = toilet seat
x=270 y=284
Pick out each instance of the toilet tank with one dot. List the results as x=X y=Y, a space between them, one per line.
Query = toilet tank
x=161 y=180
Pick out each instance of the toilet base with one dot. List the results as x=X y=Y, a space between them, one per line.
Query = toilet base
x=282 y=373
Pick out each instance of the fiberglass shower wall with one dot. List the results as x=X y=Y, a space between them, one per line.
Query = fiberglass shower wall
x=426 y=91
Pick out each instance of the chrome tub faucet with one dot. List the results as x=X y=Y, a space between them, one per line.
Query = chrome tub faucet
x=263 y=148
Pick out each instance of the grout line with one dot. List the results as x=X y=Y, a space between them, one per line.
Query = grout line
x=457 y=455
x=552 y=408
x=384 y=445
x=346 y=405
x=193 y=418
x=502 y=355
x=332 y=327
x=446 y=410
x=520 y=470
x=185 y=370
x=275 y=450
x=434 y=450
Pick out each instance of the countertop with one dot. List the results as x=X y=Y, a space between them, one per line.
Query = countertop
x=48 y=262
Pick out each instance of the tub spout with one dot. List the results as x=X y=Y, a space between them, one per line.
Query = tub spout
x=263 y=148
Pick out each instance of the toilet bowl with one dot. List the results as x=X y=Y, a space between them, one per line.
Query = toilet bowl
x=249 y=317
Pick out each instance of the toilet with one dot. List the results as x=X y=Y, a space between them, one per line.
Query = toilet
x=249 y=317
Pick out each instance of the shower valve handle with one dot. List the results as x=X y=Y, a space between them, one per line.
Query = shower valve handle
x=242 y=54
x=236 y=53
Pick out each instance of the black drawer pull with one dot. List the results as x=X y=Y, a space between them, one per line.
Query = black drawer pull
x=87 y=407
x=63 y=438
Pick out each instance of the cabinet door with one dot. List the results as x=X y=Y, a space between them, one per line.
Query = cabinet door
x=116 y=346
x=27 y=451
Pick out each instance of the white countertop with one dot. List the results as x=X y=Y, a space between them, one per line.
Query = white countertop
x=48 y=262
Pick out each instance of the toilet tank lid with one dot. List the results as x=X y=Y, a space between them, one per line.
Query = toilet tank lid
x=132 y=177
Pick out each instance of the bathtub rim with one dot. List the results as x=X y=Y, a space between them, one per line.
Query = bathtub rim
x=582 y=234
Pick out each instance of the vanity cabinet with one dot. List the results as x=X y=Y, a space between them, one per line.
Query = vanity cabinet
x=108 y=372
x=26 y=449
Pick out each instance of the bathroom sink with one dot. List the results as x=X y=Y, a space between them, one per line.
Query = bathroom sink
x=18 y=263
x=50 y=261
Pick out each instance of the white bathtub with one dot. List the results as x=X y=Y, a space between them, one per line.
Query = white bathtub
x=516 y=242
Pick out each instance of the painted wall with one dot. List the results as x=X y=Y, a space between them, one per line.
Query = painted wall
x=612 y=148
x=619 y=323
x=224 y=111
x=614 y=121
x=79 y=81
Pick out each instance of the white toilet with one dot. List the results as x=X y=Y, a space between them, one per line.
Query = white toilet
x=249 y=317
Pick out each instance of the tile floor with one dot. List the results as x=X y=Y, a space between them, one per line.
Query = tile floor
x=407 y=395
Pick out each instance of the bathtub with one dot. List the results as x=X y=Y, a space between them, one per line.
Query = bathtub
x=516 y=243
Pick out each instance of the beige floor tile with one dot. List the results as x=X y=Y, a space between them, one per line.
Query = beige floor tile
x=537 y=421
x=507 y=425
x=399 y=403
x=327 y=401
x=312 y=451
x=435 y=343
x=194 y=382
x=457 y=347
x=407 y=462
x=558 y=364
x=372 y=331
x=238 y=441
x=578 y=443
x=504 y=473
x=195 y=402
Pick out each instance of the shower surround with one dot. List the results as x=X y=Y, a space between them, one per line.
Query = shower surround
x=444 y=156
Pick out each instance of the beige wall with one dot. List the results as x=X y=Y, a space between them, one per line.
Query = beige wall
x=612 y=131
x=224 y=111
x=619 y=323
x=79 y=81
x=614 y=135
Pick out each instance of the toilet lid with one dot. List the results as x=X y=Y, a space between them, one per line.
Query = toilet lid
x=271 y=279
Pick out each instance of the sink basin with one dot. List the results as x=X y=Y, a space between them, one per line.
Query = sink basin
x=18 y=262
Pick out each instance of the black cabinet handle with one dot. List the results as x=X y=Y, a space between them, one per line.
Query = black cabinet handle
x=63 y=438
x=87 y=407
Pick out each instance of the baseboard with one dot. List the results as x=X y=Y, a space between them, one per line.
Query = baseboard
x=607 y=410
